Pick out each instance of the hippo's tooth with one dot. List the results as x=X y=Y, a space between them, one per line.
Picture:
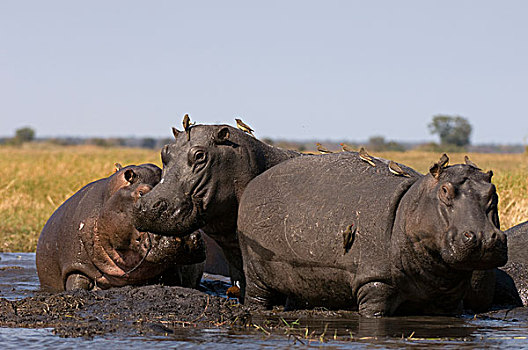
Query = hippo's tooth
x=81 y=225
x=162 y=180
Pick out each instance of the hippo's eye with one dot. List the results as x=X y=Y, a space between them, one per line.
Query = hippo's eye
x=199 y=156
x=140 y=193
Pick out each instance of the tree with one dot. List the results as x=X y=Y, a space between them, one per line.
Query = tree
x=25 y=134
x=452 y=130
x=379 y=144
x=148 y=142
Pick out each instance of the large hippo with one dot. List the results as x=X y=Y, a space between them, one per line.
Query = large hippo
x=339 y=232
x=205 y=171
x=90 y=241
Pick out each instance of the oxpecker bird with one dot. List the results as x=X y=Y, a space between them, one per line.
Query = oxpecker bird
x=244 y=127
x=397 y=170
x=187 y=126
x=321 y=149
x=364 y=156
x=346 y=148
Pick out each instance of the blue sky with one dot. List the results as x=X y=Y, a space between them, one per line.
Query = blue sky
x=327 y=70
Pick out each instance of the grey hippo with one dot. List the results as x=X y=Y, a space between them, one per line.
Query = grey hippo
x=205 y=172
x=90 y=241
x=512 y=279
x=337 y=231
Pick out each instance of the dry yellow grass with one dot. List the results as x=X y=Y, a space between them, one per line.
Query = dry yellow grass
x=36 y=179
x=510 y=177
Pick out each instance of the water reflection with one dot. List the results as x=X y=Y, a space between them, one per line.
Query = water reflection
x=18 y=275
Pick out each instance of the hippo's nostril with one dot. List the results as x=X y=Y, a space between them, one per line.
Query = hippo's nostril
x=494 y=235
x=468 y=236
x=159 y=205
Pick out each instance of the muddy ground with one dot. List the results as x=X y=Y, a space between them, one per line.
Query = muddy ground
x=161 y=311
x=173 y=313
x=148 y=310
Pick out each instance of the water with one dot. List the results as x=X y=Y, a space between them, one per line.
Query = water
x=18 y=279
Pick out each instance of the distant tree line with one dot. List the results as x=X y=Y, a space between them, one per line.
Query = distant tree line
x=454 y=134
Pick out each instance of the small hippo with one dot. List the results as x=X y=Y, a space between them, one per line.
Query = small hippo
x=339 y=232
x=90 y=241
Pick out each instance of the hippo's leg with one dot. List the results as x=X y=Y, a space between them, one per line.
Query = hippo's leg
x=480 y=295
x=376 y=299
x=172 y=276
x=255 y=292
x=78 y=281
x=188 y=276
x=506 y=293
x=191 y=275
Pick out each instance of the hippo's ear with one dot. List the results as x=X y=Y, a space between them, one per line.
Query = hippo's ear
x=130 y=176
x=436 y=170
x=118 y=167
x=470 y=163
x=446 y=193
x=176 y=132
x=490 y=175
x=221 y=136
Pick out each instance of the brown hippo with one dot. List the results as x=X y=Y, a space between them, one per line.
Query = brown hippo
x=205 y=172
x=337 y=231
x=90 y=241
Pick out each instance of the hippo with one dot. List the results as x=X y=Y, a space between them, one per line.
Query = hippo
x=205 y=171
x=215 y=262
x=512 y=279
x=339 y=232
x=90 y=241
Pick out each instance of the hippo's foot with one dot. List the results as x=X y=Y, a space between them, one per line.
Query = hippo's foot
x=480 y=295
x=78 y=281
x=257 y=294
x=374 y=300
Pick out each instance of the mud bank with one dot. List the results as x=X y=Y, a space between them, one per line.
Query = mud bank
x=148 y=310
x=163 y=311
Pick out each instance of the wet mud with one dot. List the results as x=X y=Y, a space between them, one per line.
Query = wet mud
x=169 y=313
x=148 y=310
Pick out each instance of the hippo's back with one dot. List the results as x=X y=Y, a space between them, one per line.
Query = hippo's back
x=59 y=248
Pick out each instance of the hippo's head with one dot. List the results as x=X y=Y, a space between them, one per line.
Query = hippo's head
x=125 y=187
x=204 y=173
x=455 y=216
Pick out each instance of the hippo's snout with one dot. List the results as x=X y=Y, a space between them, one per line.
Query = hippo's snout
x=159 y=206
x=469 y=238
x=147 y=213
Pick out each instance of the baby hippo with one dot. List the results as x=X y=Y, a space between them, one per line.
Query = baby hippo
x=90 y=241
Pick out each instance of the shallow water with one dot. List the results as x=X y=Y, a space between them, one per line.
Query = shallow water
x=18 y=279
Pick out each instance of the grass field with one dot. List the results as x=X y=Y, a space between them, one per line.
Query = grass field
x=35 y=179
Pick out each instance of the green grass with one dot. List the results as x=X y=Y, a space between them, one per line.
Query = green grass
x=36 y=178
